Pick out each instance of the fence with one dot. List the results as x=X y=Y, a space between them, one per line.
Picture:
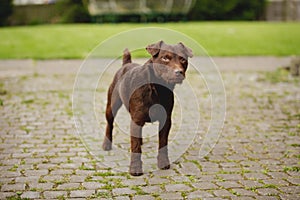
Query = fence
x=283 y=10
x=100 y=7
x=34 y=14
x=118 y=10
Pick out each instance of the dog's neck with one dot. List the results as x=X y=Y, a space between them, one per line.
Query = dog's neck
x=155 y=79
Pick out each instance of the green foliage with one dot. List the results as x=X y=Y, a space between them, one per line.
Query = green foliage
x=6 y=8
x=29 y=101
x=292 y=168
x=73 y=11
x=280 y=75
x=227 y=10
x=139 y=18
x=16 y=197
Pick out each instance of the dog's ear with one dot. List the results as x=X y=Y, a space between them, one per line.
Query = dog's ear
x=187 y=51
x=154 y=49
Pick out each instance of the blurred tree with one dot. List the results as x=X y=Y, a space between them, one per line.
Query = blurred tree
x=227 y=10
x=6 y=9
x=74 y=11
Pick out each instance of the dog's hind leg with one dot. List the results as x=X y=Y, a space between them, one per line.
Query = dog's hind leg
x=113 y=104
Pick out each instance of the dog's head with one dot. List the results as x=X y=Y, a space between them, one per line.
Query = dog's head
x=170 y=61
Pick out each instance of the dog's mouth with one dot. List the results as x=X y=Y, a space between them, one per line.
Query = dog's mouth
x=168 y=75
x=176 y=80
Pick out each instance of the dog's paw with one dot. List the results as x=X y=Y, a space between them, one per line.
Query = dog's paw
x=163 y=163
x=136 y=170
x=107 y=146
x=136 y=173
x=165 y=167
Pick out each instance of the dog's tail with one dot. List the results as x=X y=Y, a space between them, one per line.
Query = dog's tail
x=126 y=56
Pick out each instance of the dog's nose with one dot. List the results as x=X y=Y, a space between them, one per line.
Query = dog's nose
x=178 y=72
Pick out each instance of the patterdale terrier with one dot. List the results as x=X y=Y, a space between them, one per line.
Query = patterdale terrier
x=147 y=93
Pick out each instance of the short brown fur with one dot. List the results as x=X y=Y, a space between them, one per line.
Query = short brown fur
x=163 y=71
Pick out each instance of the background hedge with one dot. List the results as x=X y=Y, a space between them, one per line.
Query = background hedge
x=6 y=9
x=228 y=10
x=202 y=10
x=75 y=11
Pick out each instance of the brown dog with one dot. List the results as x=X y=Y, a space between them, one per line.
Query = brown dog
x=147 y=93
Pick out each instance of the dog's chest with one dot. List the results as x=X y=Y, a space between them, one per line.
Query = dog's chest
x=145 y=96
x=150 y=102
x=152 y=94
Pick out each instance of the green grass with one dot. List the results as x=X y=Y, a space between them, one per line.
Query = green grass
x=292 y=168
x=218 y=38
x=278 y=76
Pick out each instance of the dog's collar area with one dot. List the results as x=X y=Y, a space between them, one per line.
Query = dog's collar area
x=154 y=79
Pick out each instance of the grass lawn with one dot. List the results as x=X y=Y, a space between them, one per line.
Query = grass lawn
x=218 y=38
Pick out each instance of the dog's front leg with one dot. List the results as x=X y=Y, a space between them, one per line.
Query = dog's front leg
x=162 y=158
x=136 y=150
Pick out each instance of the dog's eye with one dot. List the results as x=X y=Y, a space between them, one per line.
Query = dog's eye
x=165 y=59
x=182 y=60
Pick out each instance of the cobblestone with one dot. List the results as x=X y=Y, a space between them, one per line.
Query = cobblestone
x=171 y=195
x=152 y=189
x=289 y=197
x=67 y=186
x=267 y=191
x=199 y=195
x=122 y=198
x=41 y=186
x=250 y=183
x=222 y=193
x=177 y=188
x=92 y=185
x=81 y=193
x=135 y=182
x=205 y=185
x=143 y=197
x=243 y=192
x=42 y=157
x=54 y=194
x=123 y=191
x=157 y=180
x=229 y=184
x=30 y=195
x=13 y=187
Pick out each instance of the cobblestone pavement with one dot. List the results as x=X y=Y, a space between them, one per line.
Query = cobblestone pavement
x=256 y=157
